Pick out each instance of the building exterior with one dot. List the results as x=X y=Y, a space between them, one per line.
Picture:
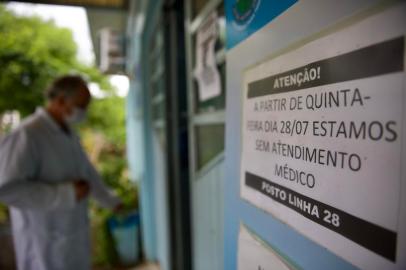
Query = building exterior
x=266 y=134
x=205 y=98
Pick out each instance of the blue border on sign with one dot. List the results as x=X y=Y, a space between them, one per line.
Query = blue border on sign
x=245 y=17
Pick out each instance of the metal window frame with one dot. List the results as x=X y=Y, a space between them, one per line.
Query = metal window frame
x=177 y=158
x=156 y=64
x=195 y=119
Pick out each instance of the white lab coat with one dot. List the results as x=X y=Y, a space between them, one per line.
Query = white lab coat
x=37 y=162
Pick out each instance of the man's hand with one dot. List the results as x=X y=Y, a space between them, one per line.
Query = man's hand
x=82 y=189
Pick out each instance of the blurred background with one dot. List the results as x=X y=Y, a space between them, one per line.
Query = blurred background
x=37 y=44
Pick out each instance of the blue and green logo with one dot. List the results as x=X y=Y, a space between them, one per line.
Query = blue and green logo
x=244 y=11
x=245 y=17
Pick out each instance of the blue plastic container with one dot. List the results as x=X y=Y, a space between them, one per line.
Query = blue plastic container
x=125 y=231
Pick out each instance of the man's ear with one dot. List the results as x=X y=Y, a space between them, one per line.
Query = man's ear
x=60 y=104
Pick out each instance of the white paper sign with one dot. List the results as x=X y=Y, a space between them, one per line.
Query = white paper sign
x=322 y=139
x=255 y=254
x=206 y=72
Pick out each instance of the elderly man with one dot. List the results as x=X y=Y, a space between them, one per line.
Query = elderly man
x=45 y=178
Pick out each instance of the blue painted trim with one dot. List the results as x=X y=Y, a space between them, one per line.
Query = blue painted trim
x=155 y=244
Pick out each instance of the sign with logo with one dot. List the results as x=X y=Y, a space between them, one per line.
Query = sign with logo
x=323 y=128
x=244 y=17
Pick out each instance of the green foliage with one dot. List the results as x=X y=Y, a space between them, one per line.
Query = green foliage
x=3 y=214
x=107 y=115
x=32 y=53
x=103 y=135
x=103 y=253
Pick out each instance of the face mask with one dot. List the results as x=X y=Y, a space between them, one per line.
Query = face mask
x=77 y=116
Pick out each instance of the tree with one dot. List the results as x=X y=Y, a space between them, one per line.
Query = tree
x=32 y=53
